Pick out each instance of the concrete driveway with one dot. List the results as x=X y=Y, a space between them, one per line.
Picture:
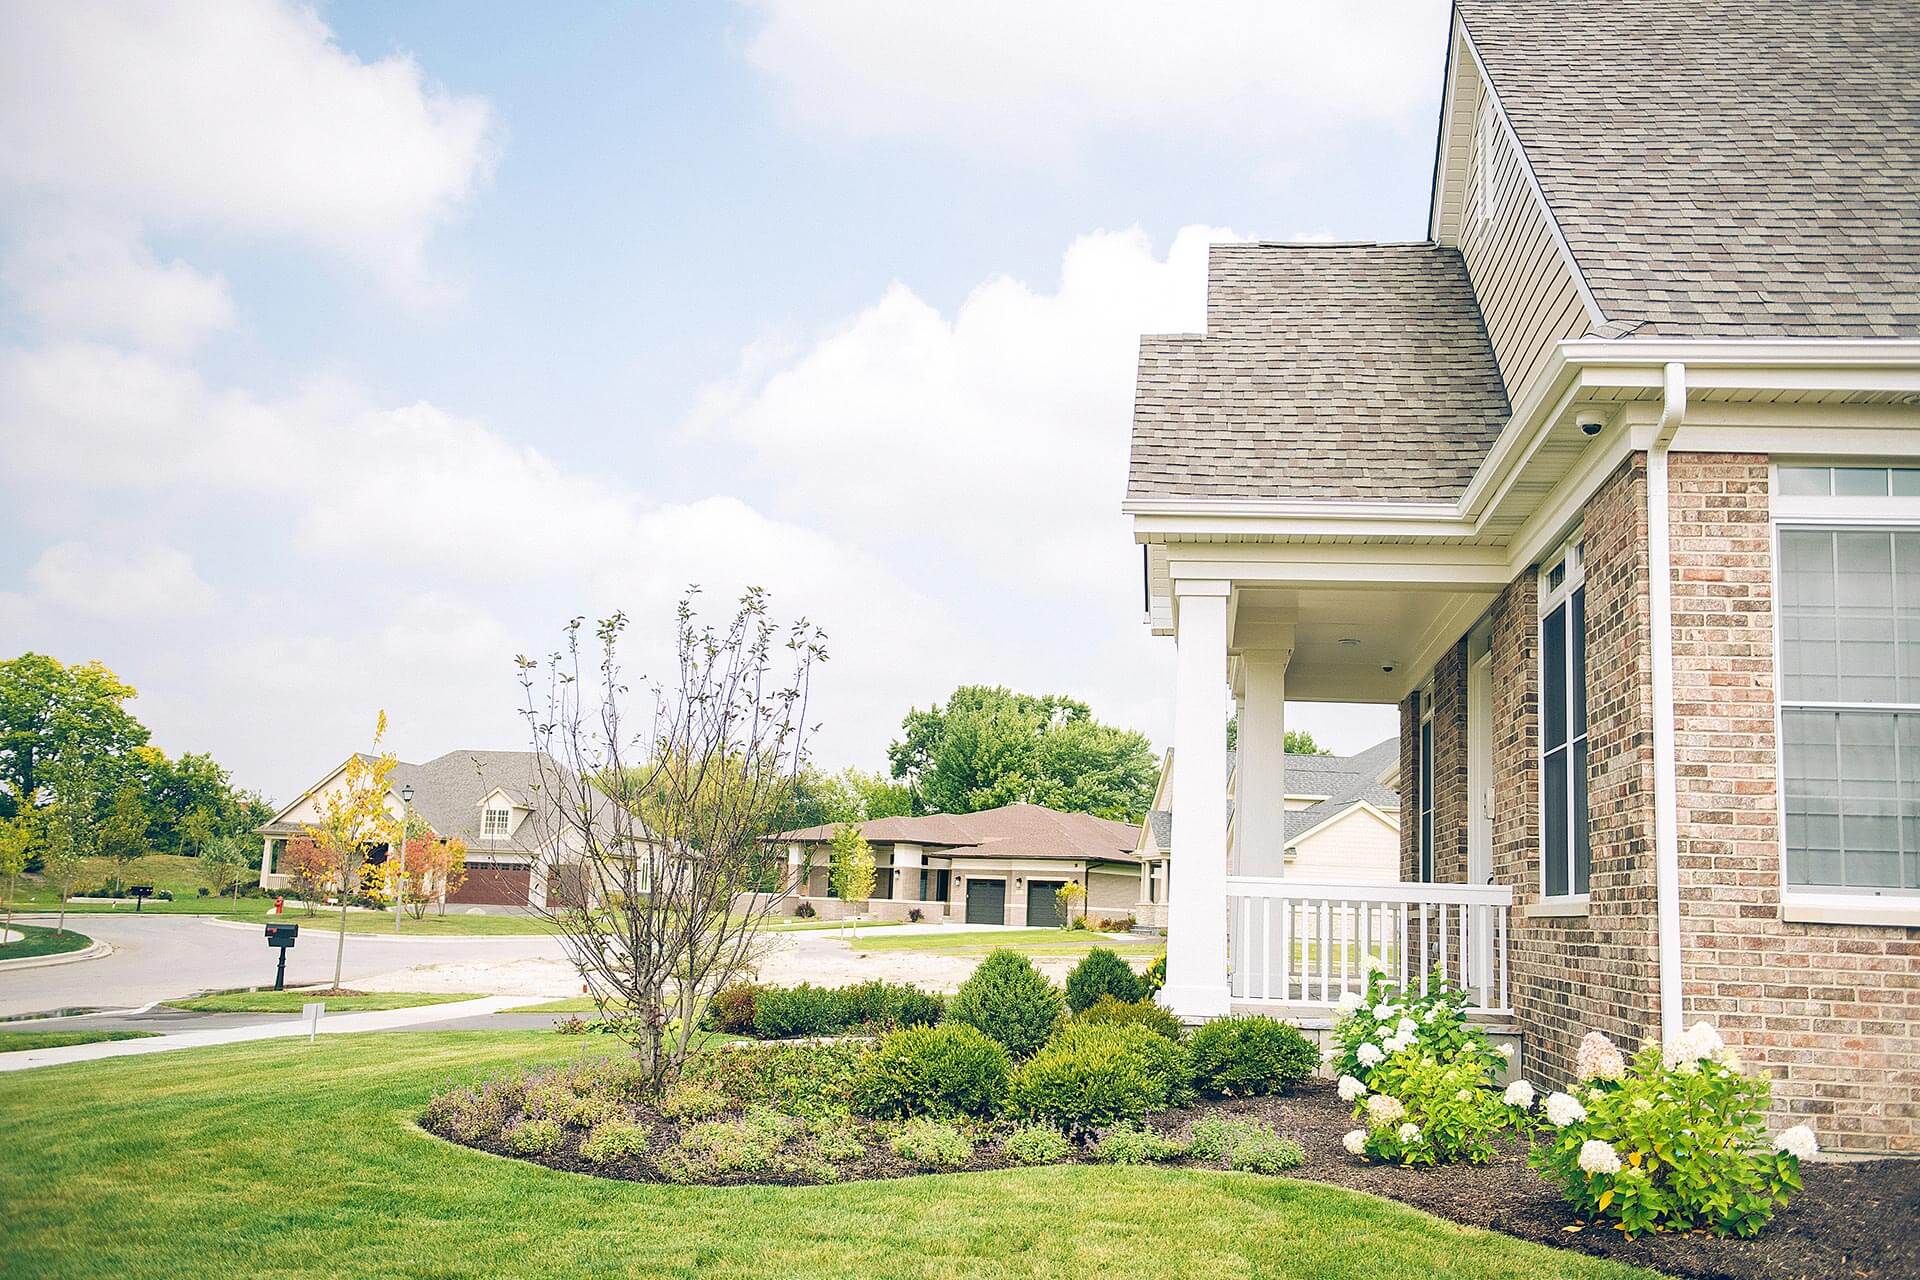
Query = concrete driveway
x=160 y=956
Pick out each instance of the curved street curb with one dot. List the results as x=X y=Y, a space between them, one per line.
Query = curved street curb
x=99 y=950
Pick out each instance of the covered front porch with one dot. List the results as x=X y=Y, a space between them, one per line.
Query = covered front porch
x=1316 y=621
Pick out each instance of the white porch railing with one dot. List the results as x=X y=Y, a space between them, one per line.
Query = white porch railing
x=1297 y=943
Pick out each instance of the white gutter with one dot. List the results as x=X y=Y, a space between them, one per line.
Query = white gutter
x=1666 y=831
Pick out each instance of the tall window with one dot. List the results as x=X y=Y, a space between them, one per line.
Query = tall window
x=1423 y=704
x=1566 y=857
x=493 y=823
x=1849 y=557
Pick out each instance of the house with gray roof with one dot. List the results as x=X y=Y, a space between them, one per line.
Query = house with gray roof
x=1610 y=483
x=489 y=800
x=1341 y=823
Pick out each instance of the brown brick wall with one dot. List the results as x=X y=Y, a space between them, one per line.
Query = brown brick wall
x=1833 y=1011
x=1450 y=816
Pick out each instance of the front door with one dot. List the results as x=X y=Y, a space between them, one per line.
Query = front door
x=986 y=901
x=1480 y=802
x=1043 y=904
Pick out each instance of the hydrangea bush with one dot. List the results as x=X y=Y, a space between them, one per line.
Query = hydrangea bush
x=1435 y=1113
x=1671 y=1139
x=1389 y=1020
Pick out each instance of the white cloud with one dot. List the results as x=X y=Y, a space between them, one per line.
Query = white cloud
x=995 y=75
x=89 y=280
x=244 y=116
x=141 y=586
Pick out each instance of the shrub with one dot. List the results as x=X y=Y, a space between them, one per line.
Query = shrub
x=1130 y=1144
x=838 y=1145
x=1036 y=1144
x=751 y=1144
x=690 y=1101
x=553 y=1097
x=612 y=1141
x=947 y=1071
x=1117 y=924
x=470 y=1114
x=1243 y=1144
x=571 y=1025
x=932 y=1144
x=1389 y=1020
x=732 y=1009
x=915 y=915
x=1670 y=1141
x=1009 y=1000
x=1239 y=1057
x=1167 y=1064
x=888 y=1004
x=787 y=1013
x=1085 y=1082
x=813 y=1080
x=1144 y=1013
x=1154 y=978
x=535 y=1136
x=805 y=911
x=1435 y=1113
x=1101 y=973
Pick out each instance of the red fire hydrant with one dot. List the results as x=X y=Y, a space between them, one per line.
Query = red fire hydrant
x=278 y=903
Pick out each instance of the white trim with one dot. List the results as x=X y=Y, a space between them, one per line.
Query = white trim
x=1569 y=559
x=1556 y=908
x=1666 y=786
x=1812 y=907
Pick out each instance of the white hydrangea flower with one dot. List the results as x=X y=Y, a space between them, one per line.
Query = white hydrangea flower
x=1351 y=1089
x=1519 y=1094
x=1729 y=1057
x=1407 y=1027
x=1376 y=965
x=1409 y=1133
x=1564 y=1109
x=1431 y=1013
x=1384 y=1108
x=1383 y=1011
x=1697 y=1042
x=1599 y=1059
x=1349 y=1001
x=1355 y=1142
x=1505 y=1051
x=1369 y=1054
x=1797 y=1142
x=1598 y=1157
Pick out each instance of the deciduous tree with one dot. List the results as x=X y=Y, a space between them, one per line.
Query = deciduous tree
x=52 y=713
x=353 y=817
x=851 y=868
x=60 y=854
x=223 y=863
x=123 y=832
x=16 y=838
x=311 y=869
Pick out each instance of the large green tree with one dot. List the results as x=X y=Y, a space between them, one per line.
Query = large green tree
x=53 y=714
x=818 y=799
x=989 y=746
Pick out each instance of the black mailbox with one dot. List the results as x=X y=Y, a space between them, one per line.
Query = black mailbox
x=280 y=937
x=140 y=892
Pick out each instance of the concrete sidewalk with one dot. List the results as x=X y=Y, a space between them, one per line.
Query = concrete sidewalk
x=281 y=1028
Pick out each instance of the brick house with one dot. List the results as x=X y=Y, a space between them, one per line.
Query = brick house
x=1612 y=486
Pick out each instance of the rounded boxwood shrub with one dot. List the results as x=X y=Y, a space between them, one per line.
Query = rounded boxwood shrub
x=1101 y=973
x=1167 y=1064
x=889 y=1004
x=1236 y=1057
x=788 y=1013
x=1009 y=1000
x=1144 y=1013
x=1084 y=1082
x=954 y=1070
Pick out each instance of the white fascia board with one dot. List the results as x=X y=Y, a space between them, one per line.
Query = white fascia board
x=1444 y=179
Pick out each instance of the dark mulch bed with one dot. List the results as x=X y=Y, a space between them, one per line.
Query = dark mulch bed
x=1860 y=1219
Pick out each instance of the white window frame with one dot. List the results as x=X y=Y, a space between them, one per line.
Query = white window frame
x=487 y=815
x=1834 y=904
x=1570 y=556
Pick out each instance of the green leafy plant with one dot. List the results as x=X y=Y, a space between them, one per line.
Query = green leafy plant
x=1243 y=1144
x=1007 y=998
x=1242 y=1056
x=612 y=1141
x=1032 y=1144
x=889 y=1005
x=788 y=1013
x=732 y=1008
x=932 y=1144
x=954 y=1070
x=717 y=1148
x=1087 y=1081
x=814 y=1080
x=1131 y=1144
x=1670 y=1140
x=1167 y=1064
x=1389 y=1020
x=1144 y=1013
x=1154 y=978
x=534 y=1136
x=1101 y=973
x=1430 y=1112
x=690 y=1101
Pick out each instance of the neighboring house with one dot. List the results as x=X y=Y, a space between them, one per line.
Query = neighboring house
x=485 y=798
x=1612 y=485
x=1341 y=823
x=998 y=866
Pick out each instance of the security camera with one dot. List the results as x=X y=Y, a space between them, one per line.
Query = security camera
x=1592 y=424
x=1388 y=668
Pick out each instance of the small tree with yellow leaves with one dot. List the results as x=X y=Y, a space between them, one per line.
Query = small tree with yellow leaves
x=355 y=816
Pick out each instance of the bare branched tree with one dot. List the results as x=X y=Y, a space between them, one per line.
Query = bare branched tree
x=666 y=874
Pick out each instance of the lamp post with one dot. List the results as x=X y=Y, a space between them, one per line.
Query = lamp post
x=400 y=882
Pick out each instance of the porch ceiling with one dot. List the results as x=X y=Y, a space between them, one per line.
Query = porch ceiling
x=1353 y=645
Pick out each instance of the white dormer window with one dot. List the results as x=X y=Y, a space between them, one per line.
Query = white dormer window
x=494 y=822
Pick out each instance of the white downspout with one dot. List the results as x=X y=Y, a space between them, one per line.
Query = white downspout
x=1666 y=804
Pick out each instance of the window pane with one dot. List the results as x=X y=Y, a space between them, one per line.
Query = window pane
x=1805 y=482
x=1811 y=748
x=1909 y=735
x=1808 y=627
x=1577 y=639
x=1906 y=610
x=1870 y=799
x=1864 y=603
x=1906 y=482
x=1582 y=851
x=1859 y=482
x=1554 y=823
x=1553 y=678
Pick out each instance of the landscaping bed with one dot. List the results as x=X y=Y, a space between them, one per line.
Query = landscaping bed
x=36 y=940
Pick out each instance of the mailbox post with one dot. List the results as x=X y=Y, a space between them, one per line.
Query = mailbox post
x=280 y=937
x=140 y=892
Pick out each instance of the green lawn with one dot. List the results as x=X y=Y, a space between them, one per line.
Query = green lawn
x=452 y=925
x=17 y=1041
x=797 y=925
x=179 y=876
x=281 y=1159
x=1031 y=942
x=37 y=941
x=572 y=1004
x=295 y=1001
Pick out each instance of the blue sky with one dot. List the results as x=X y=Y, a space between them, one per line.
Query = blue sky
x=348 y=351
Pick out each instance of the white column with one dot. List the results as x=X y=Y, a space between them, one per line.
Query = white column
x=906 y=871
x=798 y=889
x=1197 y=904
x=1259 y=816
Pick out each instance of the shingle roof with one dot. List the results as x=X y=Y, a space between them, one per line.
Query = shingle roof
x=1014 y=830
x=1344 y=780
x=448 y=789
x=1722 y=168
x=1327 y=371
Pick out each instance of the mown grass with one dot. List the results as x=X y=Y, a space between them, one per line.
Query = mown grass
x=281 y=1158
x=37 y=941
x=359 y=920
x=295 y=1001
x=1031 y=942
x=19 y=1041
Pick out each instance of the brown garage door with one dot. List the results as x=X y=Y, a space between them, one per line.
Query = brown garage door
x=494 y=885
